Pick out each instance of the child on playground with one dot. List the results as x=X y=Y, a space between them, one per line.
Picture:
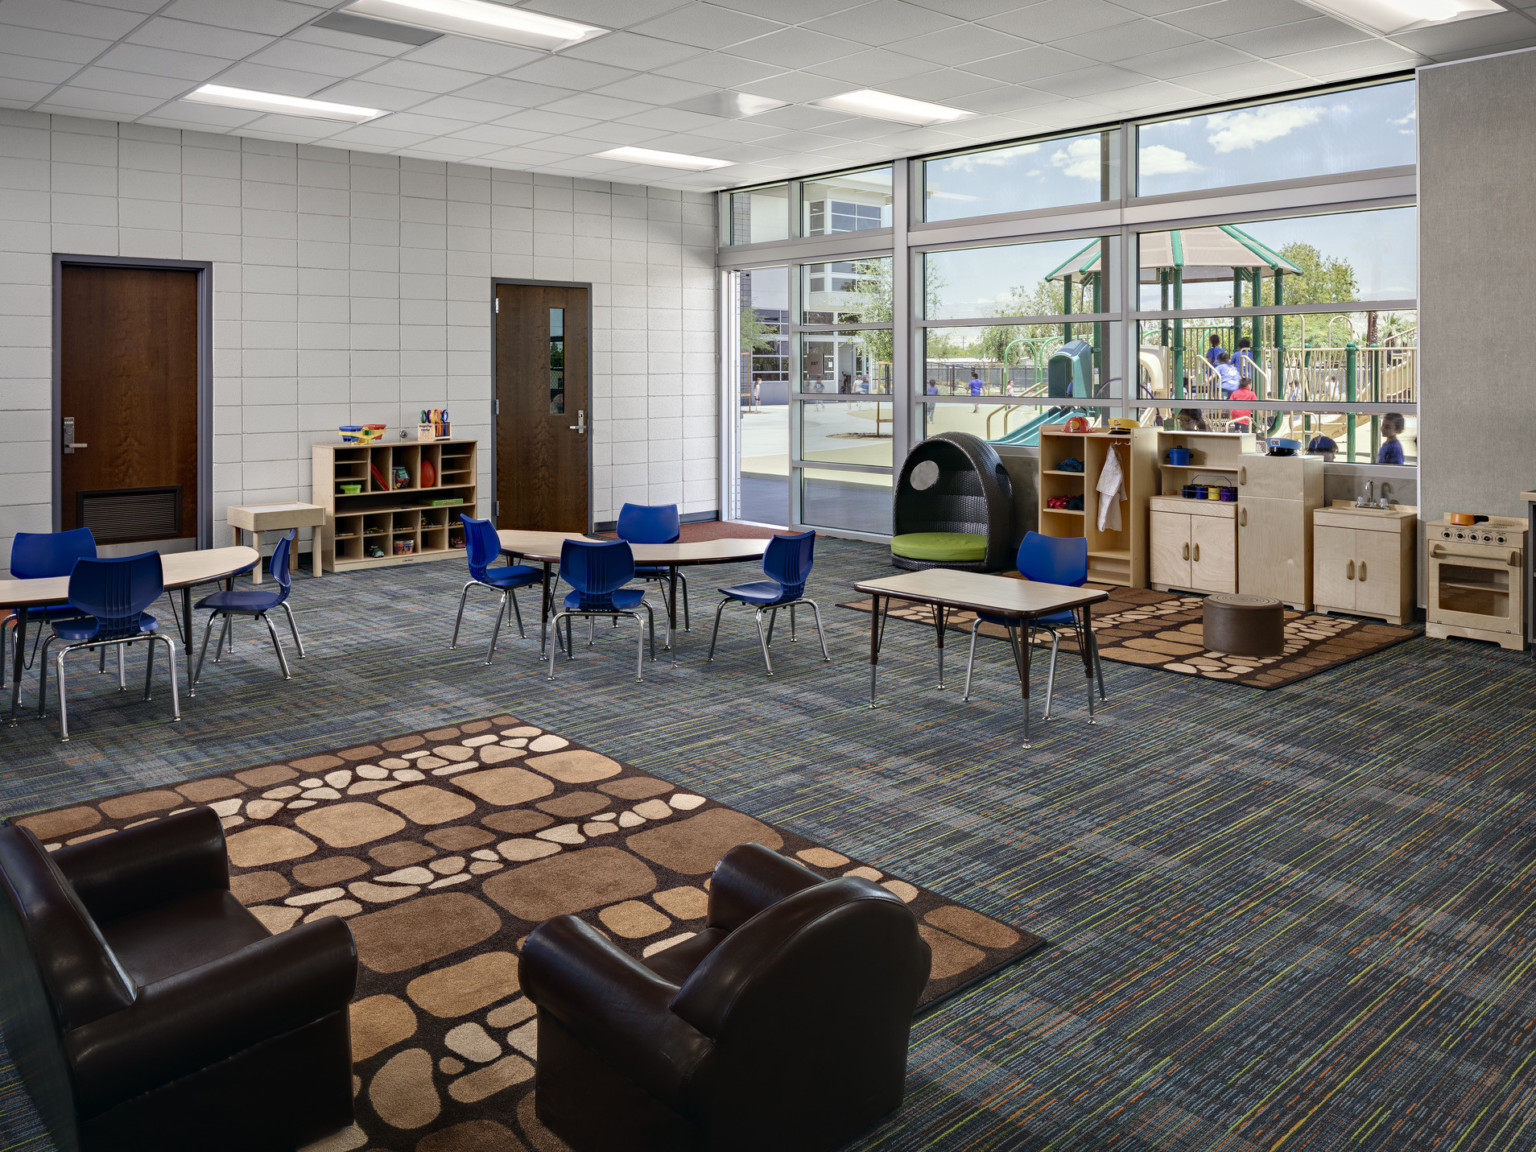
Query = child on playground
x=1242 y=419
x=1227 y=374
x=1392 y=425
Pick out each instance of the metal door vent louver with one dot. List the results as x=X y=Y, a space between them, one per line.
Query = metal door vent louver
x=120 y=515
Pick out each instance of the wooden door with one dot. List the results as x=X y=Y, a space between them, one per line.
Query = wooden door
x=1213 y=553
x=1378 y=573
x=128 y=362
x=1170 y=549
x=1333 y=566
x=543 y=410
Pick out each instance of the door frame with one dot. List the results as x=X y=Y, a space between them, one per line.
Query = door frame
x=204 y=270
x=519 y=282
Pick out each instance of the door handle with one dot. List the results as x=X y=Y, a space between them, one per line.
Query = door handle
x=1186 y=551
x=1242 y=475
x=1349 y=571
x=70 y=443
x=1197 y=553
x=581 y=422
x=1362 y=571
x=1242 y=517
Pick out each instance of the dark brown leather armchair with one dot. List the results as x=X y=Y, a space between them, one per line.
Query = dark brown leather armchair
x=783 y=1024
x=146 y=1009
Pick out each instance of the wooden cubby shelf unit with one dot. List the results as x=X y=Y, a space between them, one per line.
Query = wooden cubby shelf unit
x=386 y=516
x=1114 y=557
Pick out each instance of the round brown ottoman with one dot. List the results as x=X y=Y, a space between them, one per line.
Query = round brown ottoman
x=1243 y=625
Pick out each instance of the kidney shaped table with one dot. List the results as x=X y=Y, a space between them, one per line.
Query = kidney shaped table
x=183 y=571
x=544 y=547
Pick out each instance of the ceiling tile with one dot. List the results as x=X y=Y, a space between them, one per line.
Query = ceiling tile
x=1005 y=99
x=538 y=120
x=365 y=135
x=181 y=36
x=467 y=111
x=611 y=134
x=589 y=105
x=1175 y=62
x=295 y=127
x=22 y=93
x=1254 y=76
x=35 y=70
x=706 y=26
x=1124 y=41
x=960 y=46
x=497 y=134
x=651 y=89
x=565 y=73
x=1369 y=55
x=872 y=62
x=53 y=45
x=367 y=95
x=160 y=62
x=940 y=86
x=1155 y=7
x=1303 y=36
x=132 y=83
x=796 y=87
x=669 y=119
x=790 y=11
x=316 y=58
x=967 y=9
x=1087 y=82
x=1049 y=22
x=1144 y=99
x=1446 y=40
x=605 y=13
x=1233 y=17
x=210 y=117
x=347 y=41
x=718 y=70
x=427 y=77
x=273 y=17
x=466 y=55
x=283 y=80
x=793 y=48
x=67 y=16
x=882 y=22
x=423 y=125
x=742 y=131
x=143 y=6
x=799 y=116
x=628 y=50
x=75 y=100
x=1031 y=64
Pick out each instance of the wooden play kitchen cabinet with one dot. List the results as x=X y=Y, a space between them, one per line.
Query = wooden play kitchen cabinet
x=1363 y=560
x=1276 y=496
x=1194 y=545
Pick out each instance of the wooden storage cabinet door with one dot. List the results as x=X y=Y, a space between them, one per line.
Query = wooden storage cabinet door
x=1213 y=553
x=1333 y=566
x=1170 y=549
x=1269 y=478
x=1273 y=557
x=1378 y=574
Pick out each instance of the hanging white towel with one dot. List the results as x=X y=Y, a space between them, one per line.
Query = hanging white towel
x=1111 y=490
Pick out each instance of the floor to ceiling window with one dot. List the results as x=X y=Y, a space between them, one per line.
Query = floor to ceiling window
x=1245 y=268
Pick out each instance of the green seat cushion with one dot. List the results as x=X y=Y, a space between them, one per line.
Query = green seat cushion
x=941 y=547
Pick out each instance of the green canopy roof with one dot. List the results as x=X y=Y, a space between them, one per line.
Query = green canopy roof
x=1209 y=253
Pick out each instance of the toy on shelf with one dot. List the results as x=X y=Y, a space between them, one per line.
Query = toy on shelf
x=402 y=477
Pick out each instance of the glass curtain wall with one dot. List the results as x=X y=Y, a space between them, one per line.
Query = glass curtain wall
x=1100 y=273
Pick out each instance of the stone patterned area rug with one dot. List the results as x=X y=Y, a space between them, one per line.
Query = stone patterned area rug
x=443 y=849
x=1163 y=630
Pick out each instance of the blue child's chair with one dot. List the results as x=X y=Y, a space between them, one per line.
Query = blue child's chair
x=1046 y=560
x=654 y=524
x=481 y=547
x=37 y=555
x=109 y=598
x=254 y=602
x=787 y=562
x=598 y=571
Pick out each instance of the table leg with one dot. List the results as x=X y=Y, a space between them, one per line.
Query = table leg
x=256 y=544
x=18 y=658
x=1023 y=656
x=938 y=624
x=1090 y=655
x=671 y=608
x=314 y=551
x=544 y=612
x=186 y=635
x=874 y=647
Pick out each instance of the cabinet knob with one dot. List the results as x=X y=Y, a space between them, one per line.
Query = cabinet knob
x=1242 y=517
x=1186 y=550
x=1197 y=553
x=1362 y=571
x=1349 y=571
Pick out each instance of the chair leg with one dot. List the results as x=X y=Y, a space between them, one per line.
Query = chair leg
x=294 y=628
x=122 y=683
x=639 y=645
x=501 y=610
x=464 y=595
x=826 y=657
x=170 y=652
x=650 y=614
x=687 y=619
x=773 y=618
x=554 y=625
x=792 y=639
x=218 y=649
x=518 y=612
x=42 y=679
x=715 y=635
x=101 y=662
x=1098 y=665
x=149 y=666
x=197 y=672
x=592 y=628
x=1050 y=676
x=63 y=698
x=276 y=643
x=763 y=640
x=971 y=663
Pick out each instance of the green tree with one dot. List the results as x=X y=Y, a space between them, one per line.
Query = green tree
x=1323 y=279
x=757 y=334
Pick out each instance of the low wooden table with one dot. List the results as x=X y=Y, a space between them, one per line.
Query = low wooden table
x=259 y=518
x=182 y=570
x=944 y=589
x=544 y=548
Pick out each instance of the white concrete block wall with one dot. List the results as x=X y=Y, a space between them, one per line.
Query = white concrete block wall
x=353 y=287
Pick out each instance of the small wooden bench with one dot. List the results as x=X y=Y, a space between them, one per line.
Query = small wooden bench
x=259 y=518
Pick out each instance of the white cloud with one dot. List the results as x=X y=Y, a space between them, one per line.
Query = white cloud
x=1161 y=160
x=1234 y=130
x=1080 y=159
x=996 y=159
x=934 y=195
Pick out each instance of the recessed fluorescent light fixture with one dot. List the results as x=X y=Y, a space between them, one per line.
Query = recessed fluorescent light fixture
x=481 y=20
x=662 y=159
x=729 y=105
x=884 y=106
x=282 y=105
x=1392 y=16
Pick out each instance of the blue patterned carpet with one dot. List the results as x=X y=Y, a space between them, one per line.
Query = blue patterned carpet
x=1302 y=919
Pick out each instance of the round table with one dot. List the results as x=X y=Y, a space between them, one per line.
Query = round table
x=544 y=547
x=183 y=571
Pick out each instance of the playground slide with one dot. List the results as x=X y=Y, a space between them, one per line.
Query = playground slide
x=1028 y=434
